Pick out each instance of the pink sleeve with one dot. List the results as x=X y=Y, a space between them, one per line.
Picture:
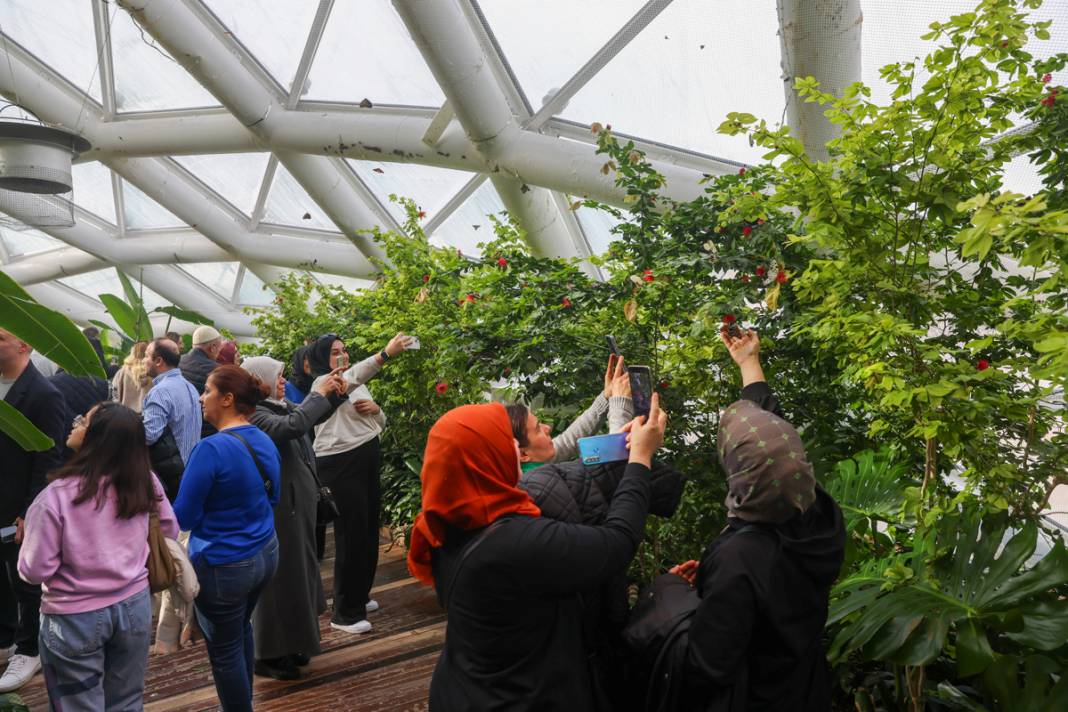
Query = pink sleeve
x=40 y=555
x=168 y=523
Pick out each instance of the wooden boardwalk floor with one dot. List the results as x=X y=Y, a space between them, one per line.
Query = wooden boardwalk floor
x=385 y=670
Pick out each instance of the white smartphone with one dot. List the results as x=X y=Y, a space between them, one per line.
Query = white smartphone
x=413 y=343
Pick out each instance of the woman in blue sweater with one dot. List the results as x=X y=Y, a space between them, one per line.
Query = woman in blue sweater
x=225 y=501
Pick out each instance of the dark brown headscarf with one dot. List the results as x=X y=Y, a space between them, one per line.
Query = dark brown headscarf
x=769 y=478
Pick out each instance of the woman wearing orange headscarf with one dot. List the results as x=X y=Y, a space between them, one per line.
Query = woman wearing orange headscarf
x=510 y=579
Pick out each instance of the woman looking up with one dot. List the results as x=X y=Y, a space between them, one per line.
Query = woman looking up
x=536 y=444
x=755 y=642
x=348 y=456
x=225 y=501
x=131 y=384
x=285 y=622
x=86 y=543
x=510 y=579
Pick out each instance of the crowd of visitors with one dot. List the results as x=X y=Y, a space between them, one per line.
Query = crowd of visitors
x=526 y=547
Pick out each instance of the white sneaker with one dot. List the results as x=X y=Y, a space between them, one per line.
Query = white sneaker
x=6 y=653
x=20 y=670
x=372 y=606
x=359 y=627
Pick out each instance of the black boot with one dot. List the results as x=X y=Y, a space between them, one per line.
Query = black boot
x=278 y=668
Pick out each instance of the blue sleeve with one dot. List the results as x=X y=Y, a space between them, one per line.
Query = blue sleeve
x=197 y=481
x=155 y=417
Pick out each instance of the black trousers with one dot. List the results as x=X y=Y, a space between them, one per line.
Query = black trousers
x=353 y=478
x=20 y=606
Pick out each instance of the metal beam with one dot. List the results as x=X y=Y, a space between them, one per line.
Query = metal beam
x=212 y=56
x=821 y=39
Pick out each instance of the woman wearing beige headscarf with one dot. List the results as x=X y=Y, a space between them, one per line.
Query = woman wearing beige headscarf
x=131 y=384
x=764 y=583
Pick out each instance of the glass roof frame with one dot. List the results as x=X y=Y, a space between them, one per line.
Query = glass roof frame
x=544 y=119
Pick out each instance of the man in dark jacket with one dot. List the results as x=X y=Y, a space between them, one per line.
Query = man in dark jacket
x=24 y=476
x=199 y=362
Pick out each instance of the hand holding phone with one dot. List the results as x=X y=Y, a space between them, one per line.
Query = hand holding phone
x=641 y=388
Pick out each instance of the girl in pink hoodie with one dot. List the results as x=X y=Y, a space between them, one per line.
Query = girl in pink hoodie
x=86 y=544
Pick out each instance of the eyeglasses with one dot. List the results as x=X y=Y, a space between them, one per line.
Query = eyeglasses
x=78 y=422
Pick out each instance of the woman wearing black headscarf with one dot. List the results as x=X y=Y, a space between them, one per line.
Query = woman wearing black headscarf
x=764 y=583
x=348 y=456
x=298 y=386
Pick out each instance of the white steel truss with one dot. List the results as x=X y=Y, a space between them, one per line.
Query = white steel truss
x=534 y=158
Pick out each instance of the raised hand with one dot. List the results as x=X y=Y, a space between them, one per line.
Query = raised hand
x=687 y=569
x=646 y=433
x=398 y=344
x=742 y=348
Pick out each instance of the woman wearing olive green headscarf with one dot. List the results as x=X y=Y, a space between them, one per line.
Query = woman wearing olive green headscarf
x=764 y=583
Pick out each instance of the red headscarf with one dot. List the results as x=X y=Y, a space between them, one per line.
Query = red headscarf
x=469 y=479
x=227 y=353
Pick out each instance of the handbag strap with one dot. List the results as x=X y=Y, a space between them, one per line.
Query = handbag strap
x=263 y=474
x=469 y=548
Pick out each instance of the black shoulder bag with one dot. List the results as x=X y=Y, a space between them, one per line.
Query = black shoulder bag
x=469 y=548
x=266 y=480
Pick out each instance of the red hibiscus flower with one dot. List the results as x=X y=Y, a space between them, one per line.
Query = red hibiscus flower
x=422 y=215
x=441 y=387
x=760 y=221
x=426 y=278
x=741 y=171
x=729 y=319
x=1048 y=101
x=501 y=262
x=469 y=298
x=746 y=231
x=781 y=277
x=1047 y=78
x=982 y=364
x=566 y=303
x=647 y=276
x=761 y=271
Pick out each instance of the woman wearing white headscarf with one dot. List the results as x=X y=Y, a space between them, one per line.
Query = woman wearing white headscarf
x=286 y=620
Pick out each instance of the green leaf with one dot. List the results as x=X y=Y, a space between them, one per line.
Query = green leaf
x=184 y=314
x=974 y=654
x=123 y=314
x=132 y=297
x=48 y=332
x=21 y=430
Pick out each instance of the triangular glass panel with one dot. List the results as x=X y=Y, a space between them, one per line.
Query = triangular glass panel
x=219 y=277
x=597 y=226
x=147 y=78
x=20 y=239
x=93 y=284
x=367 y=53
x=545 y=51
x=144 y=213
x=93 y=190
x=253 y=292
x=236 y=177
x=428 y=186
x=275 y=33
x=60 y=33
x=676 y=81
x=289 y=204
x=470 y=224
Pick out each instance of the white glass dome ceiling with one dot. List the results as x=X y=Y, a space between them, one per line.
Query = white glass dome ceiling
x=288 y=123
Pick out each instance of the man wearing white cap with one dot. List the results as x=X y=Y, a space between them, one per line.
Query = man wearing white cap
x=199 y=361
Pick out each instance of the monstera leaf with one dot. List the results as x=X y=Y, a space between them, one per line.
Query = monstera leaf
x=869 y=486
x=973 y=586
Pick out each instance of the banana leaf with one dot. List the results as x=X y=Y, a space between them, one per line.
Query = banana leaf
x=129 y=319
x=48 y=332
x=19 y=428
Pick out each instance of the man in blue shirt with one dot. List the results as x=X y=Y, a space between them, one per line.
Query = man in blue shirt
x=172 y=403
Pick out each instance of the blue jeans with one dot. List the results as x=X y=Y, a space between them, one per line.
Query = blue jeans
x=228 y=593
x=96 y=660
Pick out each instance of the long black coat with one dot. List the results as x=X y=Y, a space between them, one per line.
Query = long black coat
x=514 y=639
x=196 y=366
x=286 y=618
x=24 y=474
x=755 y=642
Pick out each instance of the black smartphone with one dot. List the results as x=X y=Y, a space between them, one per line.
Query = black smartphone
x=612 y=345
x=734 y=331
x=641 y=388
x=7 y=534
